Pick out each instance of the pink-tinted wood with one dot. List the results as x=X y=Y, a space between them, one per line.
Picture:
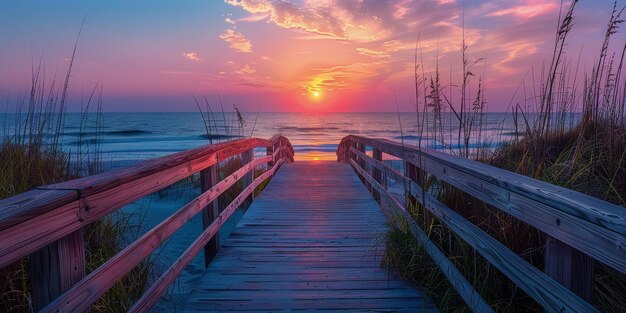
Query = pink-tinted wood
x=48 y=221
x=88 y=290
x=592 y=226
x=545 y=291
x=28 y=222
x=159 y=287
x=57 y=267
x=208 y=179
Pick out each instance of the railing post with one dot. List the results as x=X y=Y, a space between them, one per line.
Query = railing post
x=270 y=151
x=247 y=157
x=360 y=161
x=208 y=179
x=377 y=174
x=57 y=267
x=363 y=165
x=283 y=153
x=572 y=268
x=411 y=171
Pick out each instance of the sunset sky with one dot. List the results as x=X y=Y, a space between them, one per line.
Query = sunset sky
x=275 y=55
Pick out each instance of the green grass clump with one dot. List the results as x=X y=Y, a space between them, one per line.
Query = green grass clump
x=406 y=256
x=104 y=239
x=590 y=159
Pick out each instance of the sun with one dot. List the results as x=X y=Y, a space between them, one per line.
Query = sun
x=316 y=94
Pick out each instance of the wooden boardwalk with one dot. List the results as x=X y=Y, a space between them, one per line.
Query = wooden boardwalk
x=305 y=245
x=311 y=242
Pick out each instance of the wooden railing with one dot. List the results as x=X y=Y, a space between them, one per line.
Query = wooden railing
x=581 y=229
x=46 y=223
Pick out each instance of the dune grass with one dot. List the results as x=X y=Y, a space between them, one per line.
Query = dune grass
x=582 y=151
x=31 y=155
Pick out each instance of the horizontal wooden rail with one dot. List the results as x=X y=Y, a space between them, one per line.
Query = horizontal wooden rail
x=153 y=294
x=545 y=290
x=600 y=222
x=463 y=287
x=39 y=218
x=593 y=226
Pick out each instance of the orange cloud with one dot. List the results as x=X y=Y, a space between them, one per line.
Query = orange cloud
x=348 y=47
x=356 y=76
x=372 y=53
x=288 y=15
x=236 y=40
x=246 y=70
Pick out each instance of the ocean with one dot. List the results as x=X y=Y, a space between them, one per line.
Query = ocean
x=125 y=138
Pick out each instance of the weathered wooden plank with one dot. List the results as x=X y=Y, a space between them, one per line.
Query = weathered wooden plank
x=44 y=267
x=57 y=267
x=456 y=279
x=270 y=151
x=33 y=203
x=572 y=268
x=71 y=259
x=547 y=292
x=377 y=173
x=208 y=179
x=88 y=290
x=159 y=287
x=29 y=204
x=214 y=153
x=314 y=305
x=49 y=219
x=209 y=286
x=32 y=234
x=304 y=245
x=247 y=157
x=590 y=225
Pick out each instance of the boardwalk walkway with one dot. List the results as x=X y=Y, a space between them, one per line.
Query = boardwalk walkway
x=309 y=242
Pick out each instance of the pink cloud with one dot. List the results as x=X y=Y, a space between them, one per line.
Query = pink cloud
x=193 y=56
x=287 y=15
x=528 y=10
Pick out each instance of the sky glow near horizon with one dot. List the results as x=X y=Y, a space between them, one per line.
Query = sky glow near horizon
x=275 y=55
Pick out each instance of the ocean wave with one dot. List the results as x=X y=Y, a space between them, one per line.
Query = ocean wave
x=327 y=147
x=307 y=129
x=125 y=132
x=218 y=136
x=409 y=137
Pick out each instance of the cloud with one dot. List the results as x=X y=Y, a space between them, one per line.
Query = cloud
x=287 y=15
x=353 y=76
x=401 y=9
x=228 y=20
x=527 y=10
x=346 y=45
x=372 y=53
x=246 y=70
x=236 y=40
x=252 y=6
x=193 y=56
x=513 y=55
x=254 y=18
